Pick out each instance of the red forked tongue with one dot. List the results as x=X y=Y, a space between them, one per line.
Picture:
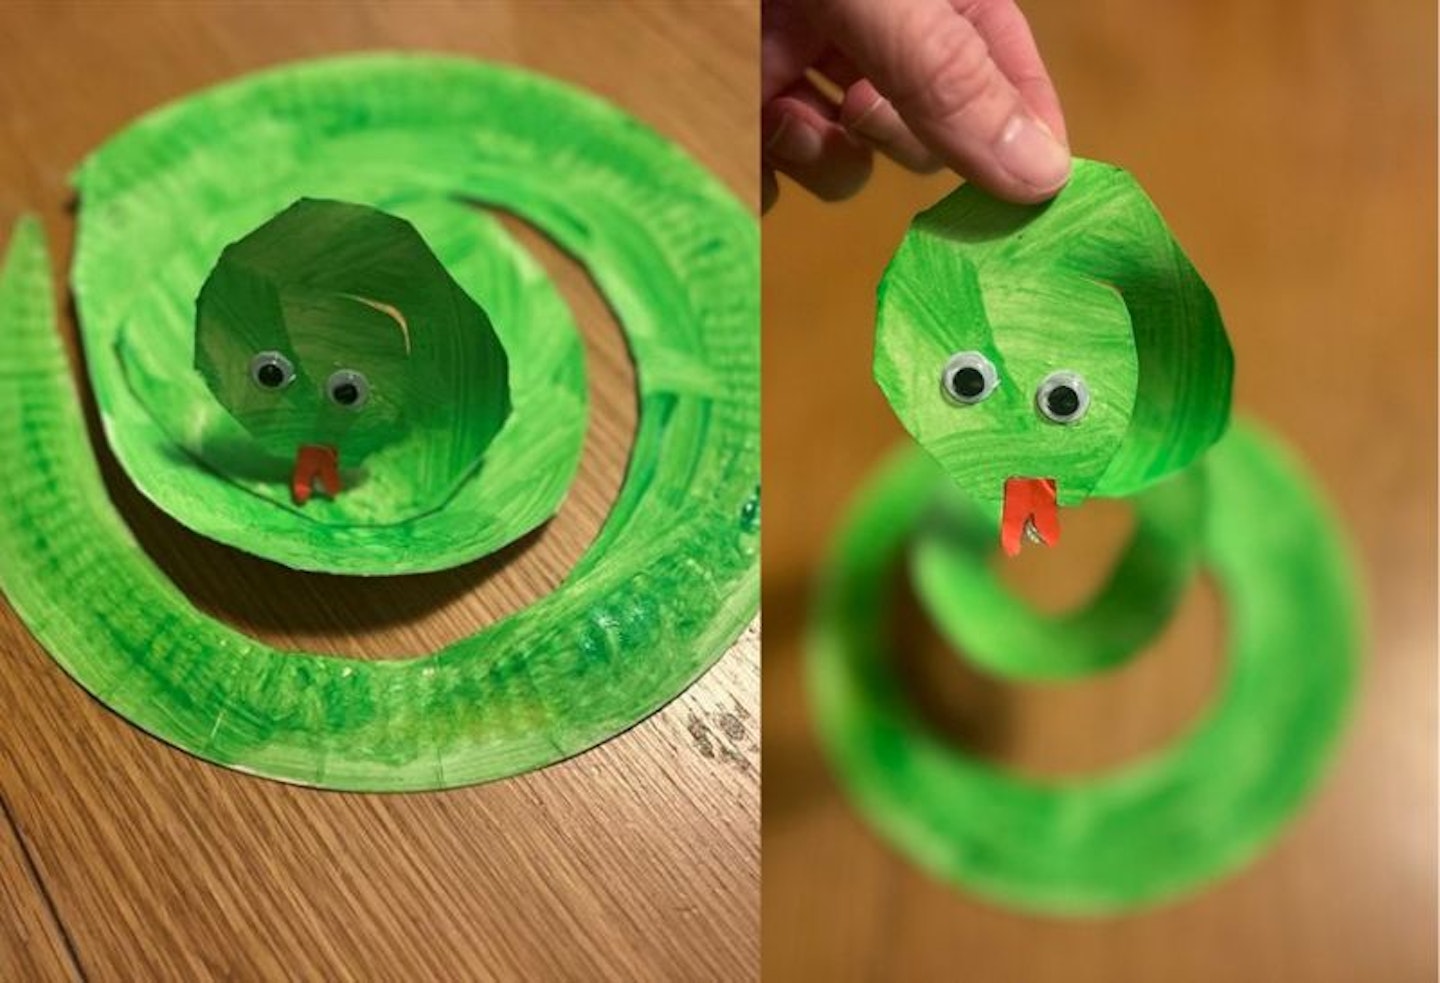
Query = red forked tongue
x=1029 y=502
x=315 y=461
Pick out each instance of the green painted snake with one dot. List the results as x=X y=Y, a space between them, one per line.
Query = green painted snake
x=1041 y=355
x=669 y=582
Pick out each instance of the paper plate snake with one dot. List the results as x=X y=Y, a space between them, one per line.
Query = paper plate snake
x=1041 y=355
x=669 y=582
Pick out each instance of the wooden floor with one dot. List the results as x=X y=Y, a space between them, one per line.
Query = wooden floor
x=123 y=859
x=1291 y=146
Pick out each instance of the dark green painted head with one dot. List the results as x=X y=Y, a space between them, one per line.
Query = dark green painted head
x=1069 y=344
x=334 y=328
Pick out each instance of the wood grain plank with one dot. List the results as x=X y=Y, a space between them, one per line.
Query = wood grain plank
x=639 y=860
x=33 y=943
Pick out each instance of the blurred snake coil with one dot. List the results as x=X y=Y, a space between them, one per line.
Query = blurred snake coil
x=985 y=312
x=668 y=584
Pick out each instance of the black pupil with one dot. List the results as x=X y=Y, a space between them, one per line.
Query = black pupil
x=346 y=393
x=1062 y=401
x=270 y=375
x=969 y=382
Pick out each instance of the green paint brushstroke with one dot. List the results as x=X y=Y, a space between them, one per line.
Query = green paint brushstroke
x=673 y=576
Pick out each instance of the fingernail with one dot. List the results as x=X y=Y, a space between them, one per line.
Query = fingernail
x=1030 y=152
x=868 y=123
x=794 y=142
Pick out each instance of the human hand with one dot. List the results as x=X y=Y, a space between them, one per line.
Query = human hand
x=928 y=83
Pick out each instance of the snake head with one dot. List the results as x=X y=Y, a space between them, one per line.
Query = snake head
x=333 y=331
x=1044 y=354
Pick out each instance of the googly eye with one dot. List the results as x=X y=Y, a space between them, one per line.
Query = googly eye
x=1062 y=397
x=271 y=370
x=968 y=377
x=347 y=388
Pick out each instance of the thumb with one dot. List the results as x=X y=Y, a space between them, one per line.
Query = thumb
x=936 y=69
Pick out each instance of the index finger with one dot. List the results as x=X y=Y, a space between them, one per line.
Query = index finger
x=938 y=72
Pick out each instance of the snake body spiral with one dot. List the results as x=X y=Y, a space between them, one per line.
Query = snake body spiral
x=671 y=579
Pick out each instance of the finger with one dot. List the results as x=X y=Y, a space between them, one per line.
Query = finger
x=869 y=115
x=1012 y=47
x=802 y=139
x=789 y=44
x=937 y=72
x=837 y=67
x=769 y=189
